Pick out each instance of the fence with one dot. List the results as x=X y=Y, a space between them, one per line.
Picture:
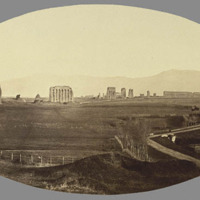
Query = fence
x=35 y=159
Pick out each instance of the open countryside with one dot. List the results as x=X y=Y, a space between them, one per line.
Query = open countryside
x=50 y=139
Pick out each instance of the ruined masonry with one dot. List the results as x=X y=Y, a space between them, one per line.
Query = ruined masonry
x=61 y=94
x=111 y=93
x=123 y=93
x=130 y=93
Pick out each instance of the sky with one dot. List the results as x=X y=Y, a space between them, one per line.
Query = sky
x=97 y=40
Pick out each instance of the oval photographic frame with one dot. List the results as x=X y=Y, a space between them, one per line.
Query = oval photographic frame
x=190 y=187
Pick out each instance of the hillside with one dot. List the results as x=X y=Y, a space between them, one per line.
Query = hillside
x=183 y=80
x=104 y=174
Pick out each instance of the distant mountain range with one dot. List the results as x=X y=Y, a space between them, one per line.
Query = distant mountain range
x=173 y=80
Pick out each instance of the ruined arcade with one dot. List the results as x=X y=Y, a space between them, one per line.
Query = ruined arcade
x=61 y=94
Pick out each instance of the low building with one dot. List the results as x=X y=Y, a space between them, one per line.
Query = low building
x=196 y=94
x=177 y=94
x=118 y=95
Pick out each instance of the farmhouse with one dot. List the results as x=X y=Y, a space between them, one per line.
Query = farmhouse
x=61 y=94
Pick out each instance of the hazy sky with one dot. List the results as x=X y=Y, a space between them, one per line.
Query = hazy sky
x=97 y=40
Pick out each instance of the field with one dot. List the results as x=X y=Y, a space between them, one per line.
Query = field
x=76 y=131
x=79 y=127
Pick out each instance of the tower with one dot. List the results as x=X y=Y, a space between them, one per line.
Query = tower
x=123 y=93
x=130 y=93
x=148 y=94
x=111 y=93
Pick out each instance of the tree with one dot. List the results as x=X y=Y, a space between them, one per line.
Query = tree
x=134 y=134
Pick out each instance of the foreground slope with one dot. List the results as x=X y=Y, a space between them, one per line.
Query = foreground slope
x=104 y=174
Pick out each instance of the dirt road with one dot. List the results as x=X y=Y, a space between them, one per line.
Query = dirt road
x=172 y=153
x=178 y=131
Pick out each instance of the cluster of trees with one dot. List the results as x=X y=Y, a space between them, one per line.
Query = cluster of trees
x=133 y=135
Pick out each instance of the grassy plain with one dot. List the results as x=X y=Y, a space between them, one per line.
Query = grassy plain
x=79 y=127
x=86 y=129
x=75 y=130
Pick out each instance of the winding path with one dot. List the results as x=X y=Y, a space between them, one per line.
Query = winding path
x=166 y=150
x=173 y=153
x=178 y=131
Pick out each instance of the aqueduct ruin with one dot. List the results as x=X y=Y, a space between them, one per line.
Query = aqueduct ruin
x=61 y=94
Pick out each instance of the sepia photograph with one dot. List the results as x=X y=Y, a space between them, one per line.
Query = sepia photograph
x=99 y=99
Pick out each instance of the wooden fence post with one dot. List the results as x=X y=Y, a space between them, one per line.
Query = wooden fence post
x=41 y=160
x=12 y=156
x=63 y=160
x=72 y=159
x=31 y=158
x=20 y=158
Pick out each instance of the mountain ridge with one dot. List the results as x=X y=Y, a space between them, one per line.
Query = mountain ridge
x=173 y=80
